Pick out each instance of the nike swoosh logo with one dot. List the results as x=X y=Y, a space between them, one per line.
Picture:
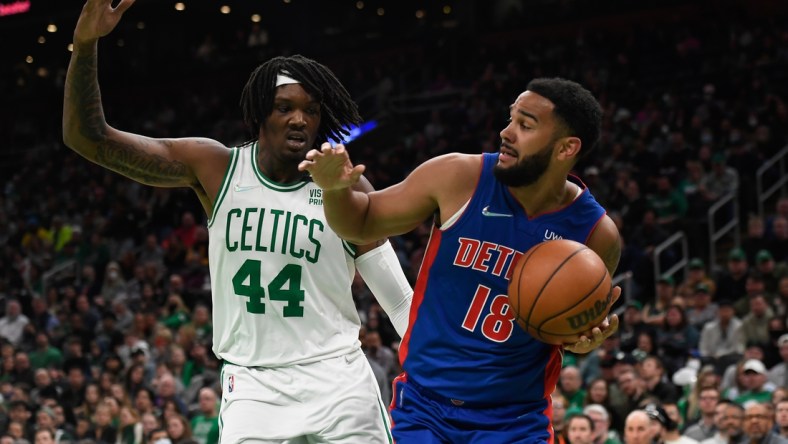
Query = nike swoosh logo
x=240 y=189
x=486 y=212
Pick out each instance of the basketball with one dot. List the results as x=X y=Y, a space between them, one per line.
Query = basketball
x=559 y=289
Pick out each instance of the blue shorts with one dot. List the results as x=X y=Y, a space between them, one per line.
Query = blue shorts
x=420 y=416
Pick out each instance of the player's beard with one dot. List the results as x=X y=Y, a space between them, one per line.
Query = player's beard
x=527 y=170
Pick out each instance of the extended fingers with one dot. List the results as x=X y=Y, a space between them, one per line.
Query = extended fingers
x=616 y=295
x=123 y=6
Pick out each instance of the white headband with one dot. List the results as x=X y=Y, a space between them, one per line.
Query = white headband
x=283 y=79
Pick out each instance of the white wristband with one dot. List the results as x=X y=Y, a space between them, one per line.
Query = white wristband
x=383 y=274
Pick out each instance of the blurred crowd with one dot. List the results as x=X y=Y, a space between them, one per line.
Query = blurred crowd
x=106 y=304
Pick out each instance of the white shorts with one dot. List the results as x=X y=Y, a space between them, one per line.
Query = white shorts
x=332 y=401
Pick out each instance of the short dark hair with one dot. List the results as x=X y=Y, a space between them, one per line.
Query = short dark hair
x=576 y=108
x=337 y=108
x=582 y=416
x=46 y=430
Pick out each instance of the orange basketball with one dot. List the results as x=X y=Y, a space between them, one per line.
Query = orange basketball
x=559 y=289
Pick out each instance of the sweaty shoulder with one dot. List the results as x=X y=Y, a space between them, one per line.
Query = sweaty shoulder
x=452 y=179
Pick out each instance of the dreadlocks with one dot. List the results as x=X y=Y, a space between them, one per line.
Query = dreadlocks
x=337 y=109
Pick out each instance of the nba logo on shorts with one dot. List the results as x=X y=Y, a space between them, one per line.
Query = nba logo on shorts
x=231 y=383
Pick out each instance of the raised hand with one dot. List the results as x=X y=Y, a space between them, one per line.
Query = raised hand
x=98 y=18
x=594 y=337
x=331 y=168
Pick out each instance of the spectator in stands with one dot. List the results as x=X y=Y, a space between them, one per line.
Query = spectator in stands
x=755 y=239
x=654 y=313
x=652 y=372
x=631 y=326
x=603 y=434
x=704 y=427
x=23 y=374
x=580 y=429
x=732 y=380
x=722 y=340
x=570 y=383
x=634 y=389
x=778 y=374
x=701 y=310
x=150 y=422
x=756 y=386
x=13 y=323
x=187 y=229
x=731 y=283
x=779 y=241
x=20 y=412
x=728 y=419
x=669 y=204
x=667 y=430
x=167 y=390
x=45 y=355
x=594 y=182
x=44 y=436
x=42 y=319
x=560 y=406
x=780 y=210
x=205 y=424
x=383 y=356
x=758 y=423
x=721 y=180
x=45 y=420
x=178 y=430
x=44 y=387
x=676 y=339
x=771 y=272
x=130 y=429
x=781 y=418
x=103 y=430
x=756 y=323
x=633 y=207
x=638 y=428
x=696 y=274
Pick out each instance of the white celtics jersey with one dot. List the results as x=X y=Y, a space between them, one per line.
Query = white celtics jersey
x=280 y=277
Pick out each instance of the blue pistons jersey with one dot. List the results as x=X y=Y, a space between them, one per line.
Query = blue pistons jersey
x=462 y=343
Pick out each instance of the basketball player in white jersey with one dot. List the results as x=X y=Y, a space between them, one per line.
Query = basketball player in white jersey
x=284 y=319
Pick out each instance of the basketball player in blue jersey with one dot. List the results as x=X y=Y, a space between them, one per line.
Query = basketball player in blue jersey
x=284 y=320
x=471 y=374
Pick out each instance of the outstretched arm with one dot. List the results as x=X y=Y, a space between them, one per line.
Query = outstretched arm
x=159 y=162
x=363 y=217
x=378 y=265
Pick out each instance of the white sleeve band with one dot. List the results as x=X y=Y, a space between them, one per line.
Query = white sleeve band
x=383 y=274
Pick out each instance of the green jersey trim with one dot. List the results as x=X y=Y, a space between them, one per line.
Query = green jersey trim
x=350 y=248
x=228 y=174
x=386 y=422
x=268 y=183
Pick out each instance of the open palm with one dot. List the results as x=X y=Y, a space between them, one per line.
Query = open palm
x=99 y=18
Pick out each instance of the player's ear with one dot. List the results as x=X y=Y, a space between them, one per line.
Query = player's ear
x=568 y=147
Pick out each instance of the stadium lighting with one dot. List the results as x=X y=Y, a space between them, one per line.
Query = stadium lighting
x=180 y=6
x=51 y=27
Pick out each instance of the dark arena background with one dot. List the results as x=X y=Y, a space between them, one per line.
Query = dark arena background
x=112 y=276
